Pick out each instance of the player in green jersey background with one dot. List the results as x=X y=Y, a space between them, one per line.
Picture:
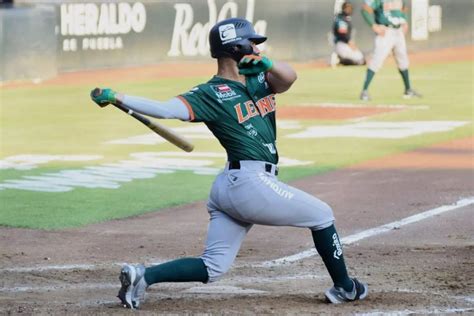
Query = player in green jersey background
x=388 y=20
x=345 y=47
x=238 y=106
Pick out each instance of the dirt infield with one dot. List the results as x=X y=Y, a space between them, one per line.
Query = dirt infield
x=453 y=155
x=420 y=264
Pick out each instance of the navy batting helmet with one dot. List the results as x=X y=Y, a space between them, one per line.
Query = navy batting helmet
x=233 y=38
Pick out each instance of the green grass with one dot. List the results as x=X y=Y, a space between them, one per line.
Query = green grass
x=85 y=206
x=62 y=120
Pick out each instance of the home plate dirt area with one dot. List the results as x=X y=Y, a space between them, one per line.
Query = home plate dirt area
x=407 y=230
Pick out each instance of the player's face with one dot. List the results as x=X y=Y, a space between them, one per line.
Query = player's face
x=348 y=10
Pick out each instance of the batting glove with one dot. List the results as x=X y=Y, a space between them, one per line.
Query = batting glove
x=254 y=64
x=103 y=97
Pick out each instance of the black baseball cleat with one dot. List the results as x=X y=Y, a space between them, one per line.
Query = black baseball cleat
x=132 y=292
x=337 y=295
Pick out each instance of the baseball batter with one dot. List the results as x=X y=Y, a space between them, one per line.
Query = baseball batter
x=388 y=20
x=238 y=106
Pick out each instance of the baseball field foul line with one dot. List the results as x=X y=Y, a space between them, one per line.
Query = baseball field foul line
x=285 y=260
x=430 y=311
x=371 y=232
x=252 y=280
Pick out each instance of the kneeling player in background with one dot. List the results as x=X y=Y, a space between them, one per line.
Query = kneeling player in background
x=345 y=46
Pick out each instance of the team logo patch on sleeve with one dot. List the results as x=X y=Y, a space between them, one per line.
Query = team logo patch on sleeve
x=223 y=91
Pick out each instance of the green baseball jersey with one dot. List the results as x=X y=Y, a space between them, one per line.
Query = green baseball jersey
x=241 y=117
x=342 y=28
x=388 y=12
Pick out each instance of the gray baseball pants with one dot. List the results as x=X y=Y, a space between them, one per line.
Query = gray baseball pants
x=393 y=40
x=250 y=195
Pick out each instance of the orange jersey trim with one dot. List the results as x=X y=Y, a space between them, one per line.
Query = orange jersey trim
x=190 y=109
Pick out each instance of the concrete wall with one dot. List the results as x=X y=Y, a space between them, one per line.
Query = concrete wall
x=28 y=43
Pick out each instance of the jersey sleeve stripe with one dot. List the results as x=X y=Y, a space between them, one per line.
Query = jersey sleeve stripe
x=190 y=109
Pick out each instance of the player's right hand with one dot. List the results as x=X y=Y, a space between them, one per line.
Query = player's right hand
x=103 y=97
x=379 y=29
x=254 y=64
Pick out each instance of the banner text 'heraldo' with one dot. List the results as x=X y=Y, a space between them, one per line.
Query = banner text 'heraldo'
x=100 y=25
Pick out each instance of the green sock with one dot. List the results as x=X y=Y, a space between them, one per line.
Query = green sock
x=330 y=249
x=368 y=78
x=406 y=78
x=179 y=270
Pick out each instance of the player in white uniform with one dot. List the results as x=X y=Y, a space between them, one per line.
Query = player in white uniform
x=388 y=20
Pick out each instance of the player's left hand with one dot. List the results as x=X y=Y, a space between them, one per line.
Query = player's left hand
x=103 y=97
x=254 y=64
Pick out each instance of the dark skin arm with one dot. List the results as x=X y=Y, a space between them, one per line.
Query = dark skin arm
x=281 y=77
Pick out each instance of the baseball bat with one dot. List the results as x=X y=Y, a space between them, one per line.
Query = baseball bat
x=161 y=130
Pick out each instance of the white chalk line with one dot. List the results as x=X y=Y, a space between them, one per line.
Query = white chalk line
x=371 y=232
x=201 y=289
x=232 y=291
x=272 y=263
x=428 y=311
x=223 y=289
x=468 y=299
x=60 y=267
x=226 y=286
x=61 y=287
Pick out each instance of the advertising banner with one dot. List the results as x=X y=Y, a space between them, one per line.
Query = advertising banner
x=108 y=34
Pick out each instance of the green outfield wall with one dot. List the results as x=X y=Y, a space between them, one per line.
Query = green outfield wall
x=60 y=36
